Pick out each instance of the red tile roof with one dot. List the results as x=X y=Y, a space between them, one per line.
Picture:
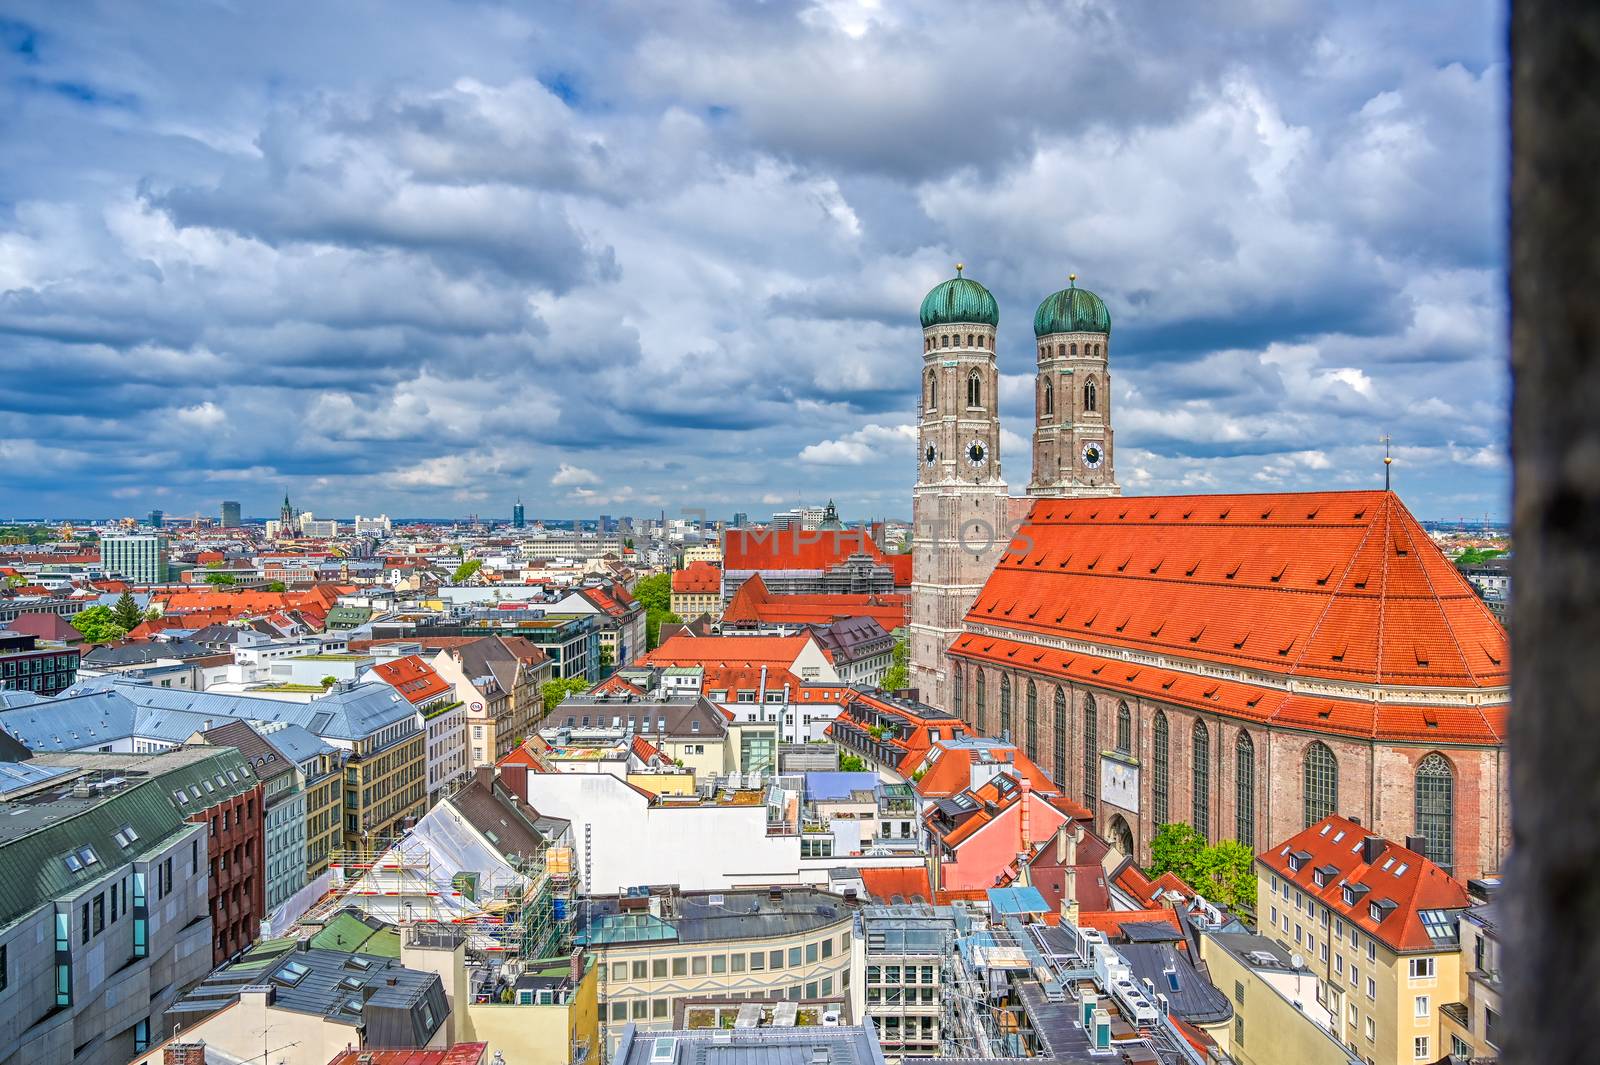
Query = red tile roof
x=1334 y=585
x=791 y=549
x=898 y=885
x=412 y=678
x=950 y=773
x=1395 y=878
x=753 y=603
x=699 y=578
x=1111 y=921
x=455 y=1054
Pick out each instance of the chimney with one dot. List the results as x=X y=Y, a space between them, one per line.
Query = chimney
x=575 y=969
x=1417 y=844
x=1372 y=848
x=184 y=1054
x=1067 y=850
x=1027 y=789
x=484 y=775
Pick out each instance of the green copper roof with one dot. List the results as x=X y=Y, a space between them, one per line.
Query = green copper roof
x=1072 y=310
x=959 y=299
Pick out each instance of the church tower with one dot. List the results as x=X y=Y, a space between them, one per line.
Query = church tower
x=1072 y=447
x=959 y=509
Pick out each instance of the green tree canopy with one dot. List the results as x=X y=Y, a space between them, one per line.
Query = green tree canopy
x=221 y=579
x=655 y=594
x=465 y=571
x=98 y=625
x=554 y=692
x=276 y=586
x=126 y=613
x=851 y=763
x=1223 y=872
x=898 y=675
x=1477 y=556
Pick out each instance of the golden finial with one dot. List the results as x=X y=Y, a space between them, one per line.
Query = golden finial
x=1388 y=460
x=1072 y=279
x=960 y=267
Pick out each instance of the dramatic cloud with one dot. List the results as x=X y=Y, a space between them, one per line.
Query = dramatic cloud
x=643 y=256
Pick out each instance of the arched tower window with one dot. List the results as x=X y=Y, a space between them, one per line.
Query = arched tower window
x=1244 y=790
x=1049 y=397
x=1091 y=754
x=980 y=706
x=1089 y=394
x=1435 y=805
x=961 y=691
x=969 y=340
x=944 y=341
x=1005 y=705
x=1030 y=723
x=1200 y=808
x=1321 y=773
x=1124 y=729
x=1061 y=739
x=933 y=389
x=974 y=389
x=1161 y=775
x=1074 y=349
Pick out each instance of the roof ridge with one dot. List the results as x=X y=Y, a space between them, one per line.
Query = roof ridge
x=1383 y=590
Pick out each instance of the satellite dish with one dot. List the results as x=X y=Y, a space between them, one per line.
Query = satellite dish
x=1297 y=961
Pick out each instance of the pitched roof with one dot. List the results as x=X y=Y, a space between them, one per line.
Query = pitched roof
x=898 y=885
x=753 y=603
x=685 y=650
x=1397 y=895
x=45 y=627
x=412 y=678
x=698 y=578
x=1341 y=586
x=256 y=748
x=1111 y=921
x=491 y=808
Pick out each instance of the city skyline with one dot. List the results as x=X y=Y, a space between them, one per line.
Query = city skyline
x=574 y=268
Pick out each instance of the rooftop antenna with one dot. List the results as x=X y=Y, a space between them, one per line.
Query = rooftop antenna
x=1388 y=460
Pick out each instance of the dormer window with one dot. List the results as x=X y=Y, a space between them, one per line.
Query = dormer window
x=1320 y=878
x=1348 y=895
x=1375 y=912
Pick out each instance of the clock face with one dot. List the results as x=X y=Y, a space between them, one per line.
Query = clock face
x=1093 y=455
x=977 y=454
x=930 y=455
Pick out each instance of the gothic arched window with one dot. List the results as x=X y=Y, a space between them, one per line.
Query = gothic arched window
x=1030 y=724
x=933 y=389
x=1061 y=739
x=1049 y=398
x=961 y=692
x=1244 y=790
x=1088 y=394
x=1321 y=781
x=1124 y=729
x=1005 y=706
x=1161 y=775
x=1200 y=808
x=1091 y=754
x=979 y=707
x=944 y=341
x=974 y=389
x=1435 y=806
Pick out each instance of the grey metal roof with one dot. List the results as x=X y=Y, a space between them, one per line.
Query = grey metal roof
x=715 y=917
x=844 y=1045
x=1192 y=996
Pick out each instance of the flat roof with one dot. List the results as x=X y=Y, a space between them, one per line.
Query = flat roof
x=714 y=917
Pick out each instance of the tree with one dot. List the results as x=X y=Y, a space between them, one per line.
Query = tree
x=328 y=682
x=98 y=625
x=276 y=586
x=465 y=571
x=851 y=763
x=608 y=657
x=655 y=594
x=554 y=692
x=126 y=612
x=898 y=675
x=1223 y=872
x=1477 y=556
x=225 y=580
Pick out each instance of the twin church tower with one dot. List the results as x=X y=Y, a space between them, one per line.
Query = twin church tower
x=962 y=511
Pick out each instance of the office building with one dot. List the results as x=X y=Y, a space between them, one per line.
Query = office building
x=519 y=516
x=903 y=957
x=230 y=514
x=158 y=518
x=794 y=1045
x=140 y=558
x=31 y=664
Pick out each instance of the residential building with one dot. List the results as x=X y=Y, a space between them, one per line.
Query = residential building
x=1378 y=923
x=858 y=648
x=801 y=655
x=31 y=664
x=901 y=959
x=1276 y=1017
x=221 y=792
x=892 y=733
x=230 y=514
x=571 y=642
x=697 y=589
x=1471 y=1020
x=498 y=679
x=619 y=618
x=706 y=552
x=976 y=836
x=141 y=559
x=322 y=775
x=284 y=799
x=661 y=946
x=755 y=608
x=687 y=730
x=105 y=920
x=441 y=715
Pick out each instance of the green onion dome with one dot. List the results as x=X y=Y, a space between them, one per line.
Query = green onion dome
x=1072 y=310
x=959 y=299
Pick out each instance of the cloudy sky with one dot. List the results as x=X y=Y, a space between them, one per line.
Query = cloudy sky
x=425 y=257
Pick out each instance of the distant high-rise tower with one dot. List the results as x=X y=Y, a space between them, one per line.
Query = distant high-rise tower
x=519 y=516
x=230 y=514
x=286 y=514
x=158 y=518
